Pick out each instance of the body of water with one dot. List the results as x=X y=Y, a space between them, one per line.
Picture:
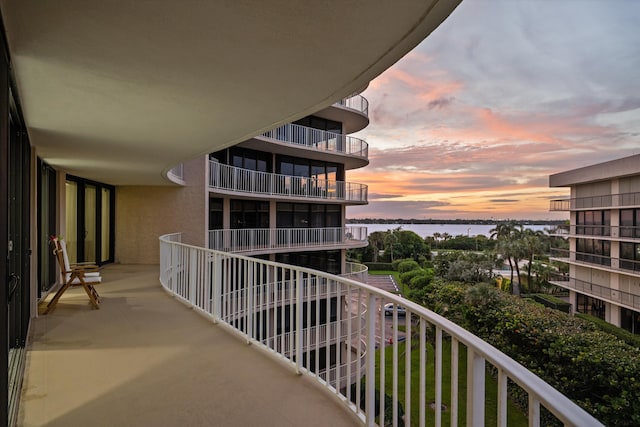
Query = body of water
x=427 y=230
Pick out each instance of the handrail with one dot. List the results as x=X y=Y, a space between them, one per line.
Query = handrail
x=622 y=265
x=356 y=271
x=203 y=279
x=622 y=232
x=593 y=289
x=320 y=140
x=248 y=240
x=356 y=102
x=604 y=201
x=231 y=178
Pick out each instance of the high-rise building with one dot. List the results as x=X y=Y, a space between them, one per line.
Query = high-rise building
x=604 y=240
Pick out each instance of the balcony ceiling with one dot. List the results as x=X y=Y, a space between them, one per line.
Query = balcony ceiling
x=120 y=92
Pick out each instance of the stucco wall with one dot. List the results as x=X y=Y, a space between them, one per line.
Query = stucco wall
x=143 y=213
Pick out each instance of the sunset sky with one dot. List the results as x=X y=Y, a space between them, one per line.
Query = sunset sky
x=473 y=121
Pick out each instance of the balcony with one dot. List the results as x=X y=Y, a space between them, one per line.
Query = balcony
x=603 y=232
x=352 y=112
x=355 y=271
x=357 y=102
x=232 y=180
x=615 y=296
x=601 y=262
x=315 y=144
x=144 y=359
x=256 y=241
x=609 y=201
x=199 y=278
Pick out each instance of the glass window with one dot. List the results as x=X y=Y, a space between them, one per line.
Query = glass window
x=284 y=215
x=626 y=223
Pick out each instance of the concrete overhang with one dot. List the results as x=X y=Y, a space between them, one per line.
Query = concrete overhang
x=618 y=168
x=120 y=92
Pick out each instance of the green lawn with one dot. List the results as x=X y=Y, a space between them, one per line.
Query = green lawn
x=514 y=414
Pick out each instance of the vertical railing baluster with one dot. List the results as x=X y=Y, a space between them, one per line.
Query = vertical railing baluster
x=475 y=389
x=370 y=379
x=298 y=324
x=423 y=368
x=502 y=398
x=454 y=381
x=534 y=411
x=438 y=351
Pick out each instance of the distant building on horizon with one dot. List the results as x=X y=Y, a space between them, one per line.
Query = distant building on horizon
x=604 y=240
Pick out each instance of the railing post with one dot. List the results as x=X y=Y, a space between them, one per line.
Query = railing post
x=371 y=362
x=216 y=292
x=475 y=389
x=298 y=325
x=193 y=276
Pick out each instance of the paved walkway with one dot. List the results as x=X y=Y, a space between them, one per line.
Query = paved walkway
x=383 y=282
x=145 y=359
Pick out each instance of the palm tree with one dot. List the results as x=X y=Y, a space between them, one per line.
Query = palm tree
x=376 y=240
x=507 y=235
x=391 y=239
x=531 y=245
x=437 y=236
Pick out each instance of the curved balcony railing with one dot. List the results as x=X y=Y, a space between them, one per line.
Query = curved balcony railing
x=200 y=277
x=596 y=202
x=356 y=102
x=232 y=179
x=355 y=271
x=599 y=291
x=320 y=140
x=249 y=240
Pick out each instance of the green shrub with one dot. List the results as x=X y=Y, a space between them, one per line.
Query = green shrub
x=549 y=301
x=408 y=265
x=421 y=280
x=595 y=369
x=607 y=327
x=405 y=278
x=379 y=265
x=396 y=263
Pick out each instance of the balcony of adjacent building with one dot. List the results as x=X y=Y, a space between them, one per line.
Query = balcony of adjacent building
x=627 y=266
x=352 y=112
x=608 y=201
x=313 y=144
x=606 y=293
x=257 y=241
x=625 y=233
x=231 y=180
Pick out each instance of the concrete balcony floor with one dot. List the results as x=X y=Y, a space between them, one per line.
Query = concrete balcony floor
x=145 y=359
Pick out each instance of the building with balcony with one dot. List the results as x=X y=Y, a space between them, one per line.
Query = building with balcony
x=207 y=146
x=604 y=240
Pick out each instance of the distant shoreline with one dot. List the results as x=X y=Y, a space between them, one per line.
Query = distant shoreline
x=455 y=221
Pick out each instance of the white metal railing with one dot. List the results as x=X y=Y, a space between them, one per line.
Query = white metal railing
x=205 y=278
x=238 y=180
x=604 y=201
x=259 y=239
x=176 y=173
x=319 y=140
x=622 y=232
x=355 y=271
x=356 y=102
x=603 y=292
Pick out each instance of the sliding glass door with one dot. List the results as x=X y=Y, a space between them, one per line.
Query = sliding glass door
x=89 y=220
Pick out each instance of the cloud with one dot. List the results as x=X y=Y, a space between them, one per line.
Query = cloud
x=502 y=95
